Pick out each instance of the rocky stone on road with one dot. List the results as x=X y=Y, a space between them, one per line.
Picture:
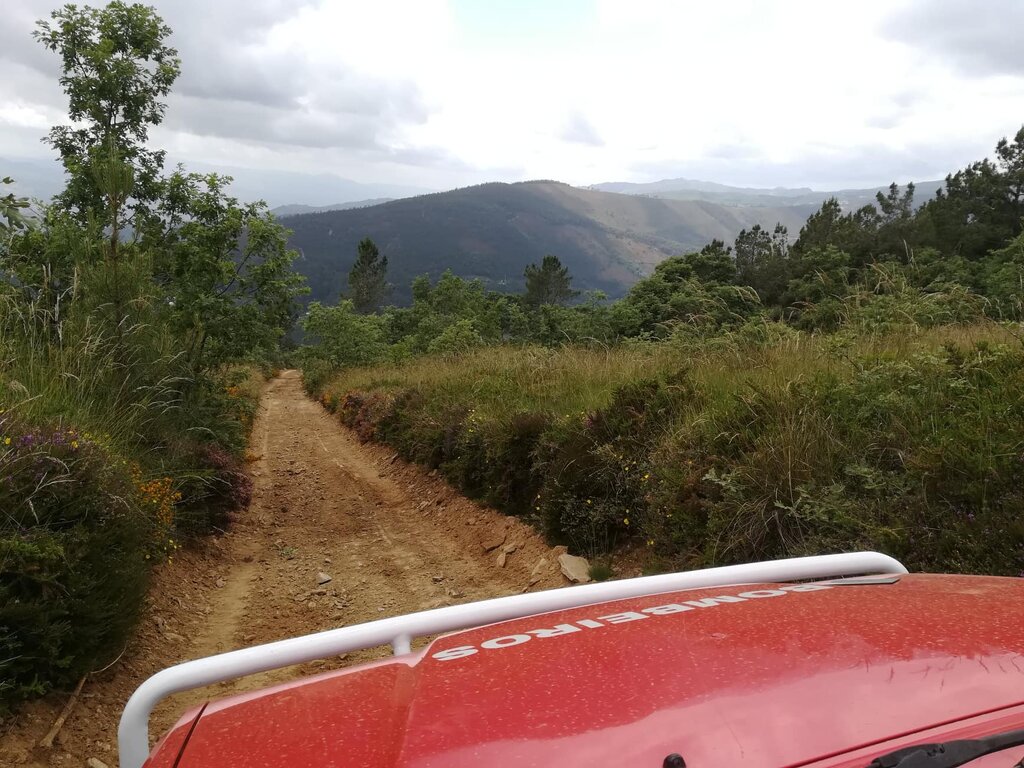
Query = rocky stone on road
x=322 y=578
x=574 y=568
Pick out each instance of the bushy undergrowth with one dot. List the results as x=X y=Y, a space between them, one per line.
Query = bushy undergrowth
x=111 y=452
x=79 y=524
x=759 y=443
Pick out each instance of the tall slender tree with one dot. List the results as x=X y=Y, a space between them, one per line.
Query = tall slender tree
x=367 y=280
x=117 y=68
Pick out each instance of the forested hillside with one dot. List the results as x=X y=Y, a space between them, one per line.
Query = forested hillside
x=860 y=387
x=491 y=232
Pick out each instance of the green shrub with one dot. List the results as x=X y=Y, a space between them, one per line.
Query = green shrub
x=116 y=450
x=74 y=541
x=214 y=487
x=316 y=373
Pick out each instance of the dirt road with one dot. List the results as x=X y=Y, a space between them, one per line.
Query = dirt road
x=392 y=538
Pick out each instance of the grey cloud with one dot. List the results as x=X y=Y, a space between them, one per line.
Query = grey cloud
x=270 y=125
x=16 y=41
x=980 y=38
x=223 y=61
x=579 y=130
x=428 y=157
x=219 y=45
x=349 y=93
x=214 y=38
x=231 y=85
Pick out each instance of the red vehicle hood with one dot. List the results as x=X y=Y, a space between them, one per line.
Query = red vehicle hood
x=767 y=675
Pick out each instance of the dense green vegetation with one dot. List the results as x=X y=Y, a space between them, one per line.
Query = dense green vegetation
x=858 y=387
x=758 y=443
x=139 y=312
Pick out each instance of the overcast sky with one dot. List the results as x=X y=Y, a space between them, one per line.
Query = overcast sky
x=443 y=93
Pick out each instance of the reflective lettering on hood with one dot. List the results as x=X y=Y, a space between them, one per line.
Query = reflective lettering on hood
x=711 y=602
x=622 y=618
x=608 y=620
x=558 y=629
x=667 y=610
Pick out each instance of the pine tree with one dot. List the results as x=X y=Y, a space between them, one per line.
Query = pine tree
x=548 y=283
x=367 y=281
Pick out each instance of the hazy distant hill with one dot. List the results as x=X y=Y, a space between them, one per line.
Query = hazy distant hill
x=296 y=210
x=44 y=178
x=690 y=189
x=493 y=231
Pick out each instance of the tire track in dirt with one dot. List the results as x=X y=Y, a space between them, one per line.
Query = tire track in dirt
x=393 y=539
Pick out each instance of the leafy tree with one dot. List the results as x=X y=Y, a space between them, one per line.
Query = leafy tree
x=676 y=293
x=226 y=268
x=367 y=280
x=451 y=300
x=548 y=283
x=117 y=68
x=588 y=322
x=11 y=207
x=460 y=336
x=342 y=336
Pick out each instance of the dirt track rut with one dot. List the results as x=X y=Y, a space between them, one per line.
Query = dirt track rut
x=392 y=538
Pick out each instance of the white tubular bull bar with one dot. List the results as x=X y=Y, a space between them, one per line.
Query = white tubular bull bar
x=398 y=631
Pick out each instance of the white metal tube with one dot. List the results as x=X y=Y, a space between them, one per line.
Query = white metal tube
x=133 y=731
x=401 y=644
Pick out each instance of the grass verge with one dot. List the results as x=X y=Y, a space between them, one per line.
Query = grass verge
x=751 y=445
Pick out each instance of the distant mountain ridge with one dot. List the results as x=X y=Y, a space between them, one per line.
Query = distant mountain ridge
x=299 y=210
x=691 y=189
x=493 y=231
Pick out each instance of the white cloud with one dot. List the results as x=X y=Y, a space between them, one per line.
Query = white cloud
x=417 y=92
